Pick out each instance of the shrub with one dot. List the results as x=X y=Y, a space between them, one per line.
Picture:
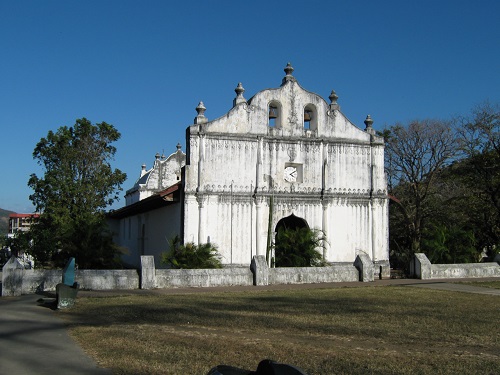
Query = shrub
x=191 y=256
x=298 y=247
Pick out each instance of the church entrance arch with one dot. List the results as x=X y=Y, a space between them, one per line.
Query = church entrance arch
x=287 y=251
x=291 y=222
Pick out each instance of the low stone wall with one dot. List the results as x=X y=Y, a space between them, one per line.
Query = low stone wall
x=40 y=280
x=313 y=275
x=422 y=268
x=34 y=281
x=457 y=271
x=107 y=279
x=171 y=278
x=16 y=280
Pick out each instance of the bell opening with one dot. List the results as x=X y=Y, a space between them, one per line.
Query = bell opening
x=273 y=112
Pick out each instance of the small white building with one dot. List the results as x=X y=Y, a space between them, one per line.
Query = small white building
x=285 y=150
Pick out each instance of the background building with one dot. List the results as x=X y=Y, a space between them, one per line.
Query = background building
x=20 y=222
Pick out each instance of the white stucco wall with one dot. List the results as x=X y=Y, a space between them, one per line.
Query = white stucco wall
x=148 y=233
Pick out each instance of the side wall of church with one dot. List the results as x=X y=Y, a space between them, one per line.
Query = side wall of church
x=148 y=234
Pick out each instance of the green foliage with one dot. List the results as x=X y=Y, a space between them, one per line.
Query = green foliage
x=298 y=247
x=449 y=244
x=78 y=184
x=414 y=155
x=191 y=256
x=18 y=244
x=450 y=212
x=480 y=139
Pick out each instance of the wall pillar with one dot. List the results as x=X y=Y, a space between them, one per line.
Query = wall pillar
x=421 y=267
x=260 y=270
x=365 y=266
x=259 y=225
x=326 y=244
x=148 y=272
x=202 y=238
x=12 y=278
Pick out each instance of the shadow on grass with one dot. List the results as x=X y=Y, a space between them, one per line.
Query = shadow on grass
x=338 y=315
x=335 y=325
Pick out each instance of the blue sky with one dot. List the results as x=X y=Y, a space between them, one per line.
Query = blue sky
x=143 y=66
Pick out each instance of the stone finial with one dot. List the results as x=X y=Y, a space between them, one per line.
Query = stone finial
x=288 y=70
x=333 y=103
x=239 y=95
x=333 y=97
x=200 y=118
x=179 y=146
x=143 y=170
x=239 y=90
x=368 y=123
x=157 y=156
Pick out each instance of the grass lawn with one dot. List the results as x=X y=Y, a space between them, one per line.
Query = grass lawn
x=367 y=330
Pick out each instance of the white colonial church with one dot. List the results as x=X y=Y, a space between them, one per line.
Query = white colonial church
x=285 y=157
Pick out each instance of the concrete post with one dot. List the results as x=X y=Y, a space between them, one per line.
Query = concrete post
x=260 y=270
x=12 y=278
x=148 y=272
x=365 y=266
x=421 y=267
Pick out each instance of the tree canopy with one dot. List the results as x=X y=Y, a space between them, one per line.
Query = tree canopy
x=480 y=140
x=414 y=154
x=77 y=185
x=444 y=185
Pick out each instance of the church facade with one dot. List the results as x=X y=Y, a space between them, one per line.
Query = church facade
x=284 y=158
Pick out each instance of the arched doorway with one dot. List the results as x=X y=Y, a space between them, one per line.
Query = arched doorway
x=291 y=222
x=295 y=243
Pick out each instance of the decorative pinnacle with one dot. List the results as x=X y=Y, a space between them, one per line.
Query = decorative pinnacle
x=368 y=121
x=200 y=119
x=239 y=90
x=178 y=146
x=288 y=70
x=333 y=97
x=201 y=109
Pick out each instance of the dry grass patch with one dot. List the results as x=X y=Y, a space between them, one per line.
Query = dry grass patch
x=383 y=330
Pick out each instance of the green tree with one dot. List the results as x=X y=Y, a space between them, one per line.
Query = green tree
x=19 y=243
x=77 y=185
x=191 y=256
x=414 y=155
x=298 y=247
x=480 y=172
x=449 y=243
